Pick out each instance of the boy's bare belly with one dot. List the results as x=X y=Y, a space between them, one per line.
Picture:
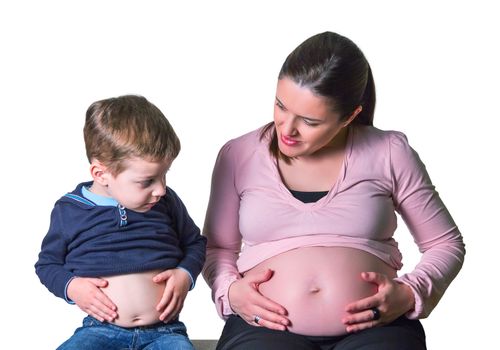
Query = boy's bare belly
x=136 y=296
x=315 y=284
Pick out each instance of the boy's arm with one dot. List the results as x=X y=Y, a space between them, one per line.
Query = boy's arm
x=85 y=292
x=180 y=280
x=50 y=265
x=192 y=243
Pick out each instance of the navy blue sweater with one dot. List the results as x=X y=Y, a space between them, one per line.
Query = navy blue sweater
x=90 y=240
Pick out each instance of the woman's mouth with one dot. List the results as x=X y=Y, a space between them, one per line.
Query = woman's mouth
x=288 y=141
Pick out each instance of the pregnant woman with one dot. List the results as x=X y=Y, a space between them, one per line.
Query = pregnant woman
x=301 y=218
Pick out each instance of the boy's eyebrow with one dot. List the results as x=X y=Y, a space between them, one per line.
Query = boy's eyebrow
x=150 y=176
x=300 y=116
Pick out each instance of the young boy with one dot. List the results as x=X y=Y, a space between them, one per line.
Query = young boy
x=123 y=246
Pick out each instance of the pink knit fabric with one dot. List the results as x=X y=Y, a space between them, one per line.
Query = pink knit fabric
x=252 y=216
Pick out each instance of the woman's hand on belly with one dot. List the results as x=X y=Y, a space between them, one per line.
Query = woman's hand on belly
x=87 y=294
x=177 y=284
x=392 y=299
x=246 y=301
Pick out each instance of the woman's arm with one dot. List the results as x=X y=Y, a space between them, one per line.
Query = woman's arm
x=431 y=225
x=417 y=293
x=222 y=232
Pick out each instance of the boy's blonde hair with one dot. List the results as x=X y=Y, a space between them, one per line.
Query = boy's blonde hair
x=128 y=126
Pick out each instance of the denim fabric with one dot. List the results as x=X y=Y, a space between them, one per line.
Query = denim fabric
x=96 y=335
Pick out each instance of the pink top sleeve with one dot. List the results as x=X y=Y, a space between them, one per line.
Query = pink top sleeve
x=222 y=232
x=431 y=225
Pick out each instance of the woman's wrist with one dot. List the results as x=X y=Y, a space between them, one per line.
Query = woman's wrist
x=230 y=306
x=408 y=296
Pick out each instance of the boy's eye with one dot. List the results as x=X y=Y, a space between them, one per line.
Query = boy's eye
x=146 y=183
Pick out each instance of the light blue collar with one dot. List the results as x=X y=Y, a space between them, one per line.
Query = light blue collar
x=98 y=199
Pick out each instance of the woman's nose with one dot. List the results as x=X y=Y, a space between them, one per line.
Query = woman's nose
x=288 y=127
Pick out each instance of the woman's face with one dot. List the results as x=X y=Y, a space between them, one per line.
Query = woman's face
x=305 y=123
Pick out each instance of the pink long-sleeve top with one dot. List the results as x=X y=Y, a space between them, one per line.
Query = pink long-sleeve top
x=252 y=216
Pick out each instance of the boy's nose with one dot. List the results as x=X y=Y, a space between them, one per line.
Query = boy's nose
x=159 y=190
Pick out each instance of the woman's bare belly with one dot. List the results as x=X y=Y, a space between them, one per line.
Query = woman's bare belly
x=136 y=296
x=315 y=284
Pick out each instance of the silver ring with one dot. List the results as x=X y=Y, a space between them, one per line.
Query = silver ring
x=256 y=319
x=376 y=313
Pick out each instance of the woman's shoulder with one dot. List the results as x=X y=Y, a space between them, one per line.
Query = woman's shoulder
x=385 y=146
x=249 y=142
x=372 y=137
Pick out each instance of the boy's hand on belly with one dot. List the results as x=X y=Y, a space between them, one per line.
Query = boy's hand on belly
x=392 y=300
x=87 y=294
x=177 y=284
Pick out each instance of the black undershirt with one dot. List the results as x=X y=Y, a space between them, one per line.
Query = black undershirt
x=308 y=197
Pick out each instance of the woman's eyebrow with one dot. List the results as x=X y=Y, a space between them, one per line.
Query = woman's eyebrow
x=300 y=116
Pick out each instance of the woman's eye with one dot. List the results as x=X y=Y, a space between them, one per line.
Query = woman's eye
x=280 y=106
x=310 y=122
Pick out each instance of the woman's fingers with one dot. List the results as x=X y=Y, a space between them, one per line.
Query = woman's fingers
x=374 y=277
x=252 y=306
x=366 y=315
x=268 y=313
x=391 y=301
x=360 y=326
x=263 y=322
x=271 y=306
x=374 y=300
x=260 y=277
x=268 y=319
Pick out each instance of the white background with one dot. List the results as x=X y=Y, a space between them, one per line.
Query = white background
x=211 y=67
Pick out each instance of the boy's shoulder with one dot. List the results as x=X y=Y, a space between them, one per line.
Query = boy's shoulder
x=171 y=198
x=76 y=198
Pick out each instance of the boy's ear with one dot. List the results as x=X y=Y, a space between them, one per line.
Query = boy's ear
x=99 y=172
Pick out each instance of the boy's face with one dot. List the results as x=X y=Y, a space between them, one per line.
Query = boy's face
x=140 y=185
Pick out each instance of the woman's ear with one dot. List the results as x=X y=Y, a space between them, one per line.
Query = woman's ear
x=99 y=172
x=353 y=115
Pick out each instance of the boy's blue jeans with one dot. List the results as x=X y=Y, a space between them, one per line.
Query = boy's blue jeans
x=96 y=335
